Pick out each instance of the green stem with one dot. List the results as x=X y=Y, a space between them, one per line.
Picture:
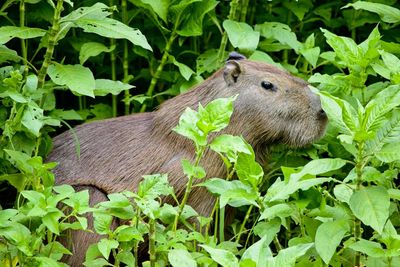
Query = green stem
x=50 y=47
x=113 y=59
x=152 y=243
x=125 y=62
x=160 y=68
x=357 y=223
x=221 y=224
x=246 y=218
x=188 y=188
x=224 y=40
x=23 y=42
x=243 y=9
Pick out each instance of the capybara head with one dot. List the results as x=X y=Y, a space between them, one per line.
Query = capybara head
x=277 y=106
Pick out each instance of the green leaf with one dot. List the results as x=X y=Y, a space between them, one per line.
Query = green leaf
x=282 y=210
x=105 y=246
x=19 y=159
x=387 y=13
x=187 y=127
x=235 y=193
x=192 y=171
x=104 y=87
x=17 y=180
x=328 y=237
x=192 y=16
x=32 y=118
x=258 y=252
x=92 y=49
x=226 y=143
x=66 y=114
x=345 y=48
x=77 y=78
x=181 y=257
x=7 y=54
x=207 y=62
x=154 y=186
x=249 y=170
x=340 y=113
x=319 y=166
x=215 y=115
x=389 y=152
x=127 y=233
x=223 y=257
x=288 y=256
x=241 y=35
x=280 y=32
x=281 y=190
x=50 y=220
x=112 y=28
x=9 y=32
x=343 y=192
x=371 y=206
x=381 y=104
x=369 y=248
x=160 y=7
x=185 y=71
x=389 y=132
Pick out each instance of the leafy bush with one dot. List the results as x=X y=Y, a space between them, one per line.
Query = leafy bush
x=334 y=203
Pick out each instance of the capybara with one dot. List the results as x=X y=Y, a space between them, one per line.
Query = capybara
x=272 y=107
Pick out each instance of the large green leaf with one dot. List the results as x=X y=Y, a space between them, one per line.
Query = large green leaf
x=387 y=13
x=369 y=248
x=92 y=49
x=77 y=78
x=241 y=35
x=258 y=252
x=159 y=7
x=389 y=132
x=7 y=54
x=280 y=32
x=371 y=206
x=340 y=113
x=112 y=28
x=288 y=256
x=104 y=87
x=381 y=104
x=154 y=186
x=9 y=32
x=191 y=23
x=389 y=152
x=328 y=237
x=223 y=257
x=181 y=257
x=32 y=118
x=105 y=246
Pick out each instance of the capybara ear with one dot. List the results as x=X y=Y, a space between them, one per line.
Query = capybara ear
x=232 y=71
x=235 y=56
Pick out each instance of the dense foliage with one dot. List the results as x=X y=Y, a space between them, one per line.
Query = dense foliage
x=335 y=203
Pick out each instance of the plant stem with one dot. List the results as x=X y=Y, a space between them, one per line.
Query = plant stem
x=221 y=224
x=152 y=242
x=23 y=42
x=247 y=216
x=113 y=72
x=188 y=188
x=125 y=62
x=160 y=67
x=357 y=223
x=50 y=48
x=243 y=9
x=224 y=40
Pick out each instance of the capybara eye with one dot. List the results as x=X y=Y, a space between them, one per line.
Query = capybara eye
x=268 y=86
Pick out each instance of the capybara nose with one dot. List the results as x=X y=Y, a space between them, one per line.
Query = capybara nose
x=322 y=114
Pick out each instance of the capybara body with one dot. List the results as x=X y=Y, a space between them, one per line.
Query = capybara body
x=272 y=107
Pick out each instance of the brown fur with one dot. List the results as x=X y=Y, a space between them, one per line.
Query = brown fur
x=115 y=153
